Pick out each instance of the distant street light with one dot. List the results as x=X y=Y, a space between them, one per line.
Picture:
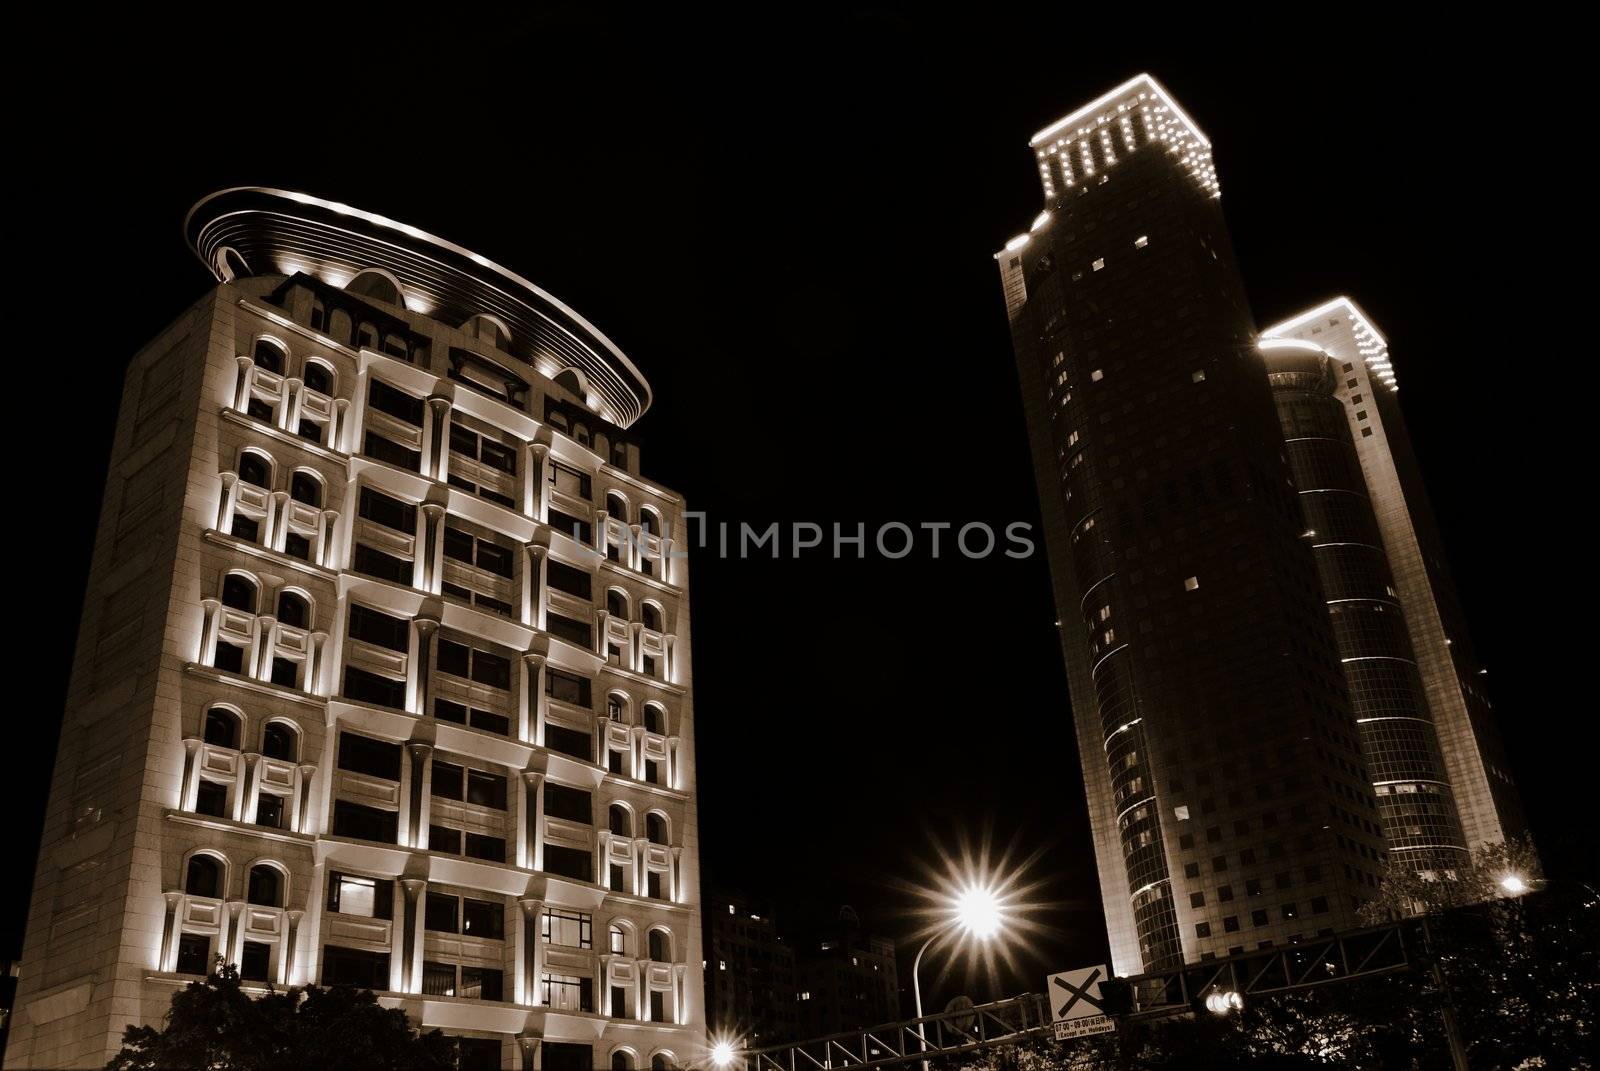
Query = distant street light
x=1223 y=1002
x=1514 y=884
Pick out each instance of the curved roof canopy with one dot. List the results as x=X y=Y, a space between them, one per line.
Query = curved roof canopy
x=259 y=231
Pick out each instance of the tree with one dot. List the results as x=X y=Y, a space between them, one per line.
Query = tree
x=214 y=1025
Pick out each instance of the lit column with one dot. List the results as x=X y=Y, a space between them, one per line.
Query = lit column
x=531 y=593
x=420 y=681
x=191 y=773
x=436 y=438
x=676 y=867
x=528 y=972
x=532 y=704
x=416 y=891
x=535 y=481
x=240 y=781
x=529 y=1046
x=241 y=390
x=533 y=818
x=167 y=956
x=291 y=942
x=266 y=629
x=430 y=546
x=252 y=786
x=421 y=786
x=336 y=425
x=277 y=520
x=300 y=804
x=324 y=553
x=602 y=642
x=230 y=495
x=210 y=622
x=292 y=394
x=316 y=662
x=224 y=909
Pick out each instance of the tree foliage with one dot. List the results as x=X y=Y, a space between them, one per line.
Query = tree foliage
x=214 y=1025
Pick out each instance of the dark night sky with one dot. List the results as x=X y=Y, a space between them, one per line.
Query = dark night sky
x=789 y=227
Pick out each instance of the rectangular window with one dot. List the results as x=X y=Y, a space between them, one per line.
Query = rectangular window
x=486 y=789
x=229 y=658
x=658 y=1006
x=568 y=993
x=255 y=962
x=397 y=403
x=270 y=811
x=371 y=898
x=443 y=913
x=363 y=754
x=569 y=481
x=297 y=546
x=383 y=566
x=492 y=849
x=194 y=954
x=360 y=822
x=390 y=452
x=355 y=966
x=569 y=741
x=245 y=527
x=563 y=577
x=438 y=979
x=365 y=687
x=574 y=929
x=566 y=687
x=379 y=508
x=444 y=839
x=567 y=524
x=482 y=983
x=575 y=863
x=212 y=799
x=580 y=633
x=483 y=918
x=448 y=780
x=572 y=804
x=380 y=629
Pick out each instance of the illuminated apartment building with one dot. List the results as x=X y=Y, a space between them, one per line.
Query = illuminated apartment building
x=1230 y=801
x=1418 y=691
x=383 y=675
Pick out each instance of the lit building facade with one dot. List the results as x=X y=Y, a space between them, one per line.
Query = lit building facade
x=1417 y=688
x=383 y=675
x=1229 y=797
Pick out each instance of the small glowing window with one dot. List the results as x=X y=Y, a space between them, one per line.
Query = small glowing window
x=1099 y=263
x=1141 y=241
x=1198 y=375
x=1191 y=583
x=1097 y=375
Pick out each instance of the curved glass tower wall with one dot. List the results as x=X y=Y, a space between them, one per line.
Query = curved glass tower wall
x=1386 y=693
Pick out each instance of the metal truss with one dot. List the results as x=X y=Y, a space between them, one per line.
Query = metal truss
x=1360 y=954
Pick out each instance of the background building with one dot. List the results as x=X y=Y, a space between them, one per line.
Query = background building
x=1229 y=797
x=383 y=673
x=846 y=978
x=1434 y=649
x=750 y=973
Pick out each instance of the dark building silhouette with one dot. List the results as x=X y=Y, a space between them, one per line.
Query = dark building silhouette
x=750 y=973
x=1229 y=796
x=846 y=978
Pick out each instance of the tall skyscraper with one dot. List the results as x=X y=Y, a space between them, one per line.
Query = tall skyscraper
x=750 y=974
x=1416 y=686
x=383 y=674
x=1230 y=800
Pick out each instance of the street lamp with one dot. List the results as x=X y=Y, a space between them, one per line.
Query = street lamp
x=976 y=910
x=1514 y=884
x=1224 y=1002
x=722 y=1052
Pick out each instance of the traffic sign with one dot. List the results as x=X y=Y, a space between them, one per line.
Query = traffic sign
x=1075 y=1003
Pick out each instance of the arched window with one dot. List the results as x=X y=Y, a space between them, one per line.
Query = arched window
x=294 y=610
x=567 y=379
x=621 y=1061
x=278 y=741
x=204 y=876
x=616 y=706
x=304 y=487
x=619 y=454
x=655 y=719
x=661 y=1061
x=620 y=821
x=378 y=285
x=339 y=325
x=266 y=886
x=318 y=377
x=222 y=727
x=616 y=604
x=269 y=355
x=490 y=329
x=617 y=506
x=580 y=432
x=617 y=939
x=649 y=521
x=651 y=615
x=239 y=592
x=660 y=946
x=655 y=828
x=255 y=469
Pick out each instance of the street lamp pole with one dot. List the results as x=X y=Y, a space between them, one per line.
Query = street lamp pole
x=916 y=992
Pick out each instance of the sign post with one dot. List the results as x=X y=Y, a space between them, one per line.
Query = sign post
x=1075 y=1004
